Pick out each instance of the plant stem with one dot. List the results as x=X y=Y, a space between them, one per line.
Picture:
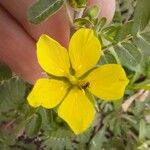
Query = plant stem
x=129 y=37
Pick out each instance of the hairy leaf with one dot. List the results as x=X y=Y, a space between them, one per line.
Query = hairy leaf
x=129 y=55
x=107 y=58
x=141 y=16
x=97 y=141
x=142 y=130
x=33 y=125
x=142 y=40
x=58 y=139
x=43 y=9
x=12 y=92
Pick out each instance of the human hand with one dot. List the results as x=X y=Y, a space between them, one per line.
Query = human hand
x=18 y=36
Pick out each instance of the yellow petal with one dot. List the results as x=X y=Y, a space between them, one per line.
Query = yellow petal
x=108 y=82
x=84 y=51
x=77 y=110
x=47 y=93
x=52 y=57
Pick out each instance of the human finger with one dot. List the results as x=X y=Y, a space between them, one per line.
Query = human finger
x=17 y=49
x=56 y=26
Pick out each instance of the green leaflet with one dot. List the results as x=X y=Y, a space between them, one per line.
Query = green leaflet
x=12 y=92
x=141 y=16
x=33 y=125
x=59 y=139
x=93 y=11
x=46 y=118
x=97 y=141
x=124 y=31
x=43 y=9
x=141 y=28
x=77 y=3
x=142 y=130
x=123 y=48
x=133 y=38
x=81 y=22
x=142 y=40
x=107 y=58
x=129 y=55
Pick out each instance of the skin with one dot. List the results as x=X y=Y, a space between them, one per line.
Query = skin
x=18 y=37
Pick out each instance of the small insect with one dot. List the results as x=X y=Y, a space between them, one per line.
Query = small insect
x=85 y=85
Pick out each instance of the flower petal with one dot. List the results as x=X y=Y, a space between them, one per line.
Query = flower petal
x=77 y=110
x=52 y=57
x=47 y=93
x=84 y=51
x=108 y=81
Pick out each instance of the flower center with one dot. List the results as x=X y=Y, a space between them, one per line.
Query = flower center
x=73 y=80
x=77 y=82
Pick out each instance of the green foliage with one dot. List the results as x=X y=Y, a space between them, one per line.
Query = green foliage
x=43 y=9
x=125 y=41
x=97 y=141
x=130 y=41
x=12 y=92
x=108 y=58
x=33 y=125
x=58 y=140
x=5 y=72
x=129 y=55
x=77 y=3
x=142 y=130
x=124 y=10
x=141 y=16
x=93 y=12
x=81 y=22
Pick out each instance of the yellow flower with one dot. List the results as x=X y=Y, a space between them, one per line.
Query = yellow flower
x=76 y=68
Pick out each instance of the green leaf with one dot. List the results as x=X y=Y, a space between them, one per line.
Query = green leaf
x=5 y=72
x=129 y=55
x=107 y=58
x=98 y=139
x=93 y=12
x=33 y=125
x=77 y=3
x=59 y=139
x=142 y=40
x=124 y=31
x=84 y=137
x=99 y=25
x=142 y=85
x=117 y=104
x=111 y=30
x=147 y=67
x=47 y=118
x=12 y=92
x=80 y=22
x=142 y=130
x=141 y=16
x=43 y=9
